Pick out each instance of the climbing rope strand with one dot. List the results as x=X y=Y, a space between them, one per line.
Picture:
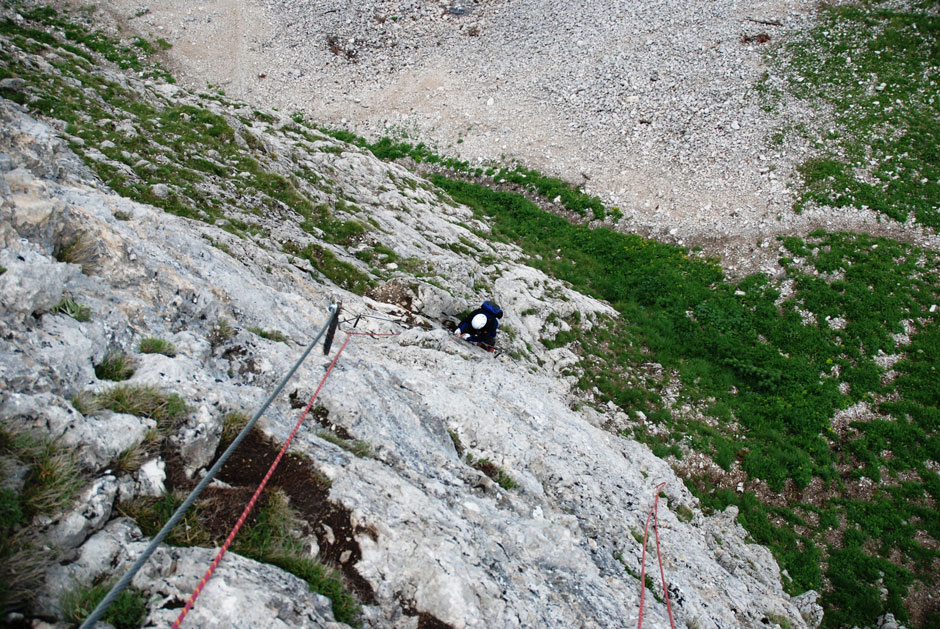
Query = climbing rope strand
x=659 y=558
x=254 y=498
x=654 y=514
x=643 y=568
x=102 y=607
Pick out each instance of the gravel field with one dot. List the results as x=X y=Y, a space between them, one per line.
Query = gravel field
x=650 y=105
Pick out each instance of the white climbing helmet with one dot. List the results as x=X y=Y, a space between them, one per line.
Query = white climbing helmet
x=478 y=322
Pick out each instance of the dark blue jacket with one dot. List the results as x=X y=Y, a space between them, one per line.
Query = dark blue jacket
x=487 y=334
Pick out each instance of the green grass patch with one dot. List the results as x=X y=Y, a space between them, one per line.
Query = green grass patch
x=116 y=366
x=153 y=345
x=151 y=514
x=167 y=409
x=272 y=335
x=126 y=612
x=52 y=482
x=342 y=273
x=232 y=424
x=875 y=68
x=360 y=448
x=496 y=473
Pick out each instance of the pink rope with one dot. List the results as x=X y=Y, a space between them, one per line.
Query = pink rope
x=662 y=574
x=254 y=498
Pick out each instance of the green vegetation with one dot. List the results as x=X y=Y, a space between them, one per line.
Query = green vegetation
x=875 y=68
x=359 y=448
x=769 y=379
x=272 y=335
x=52 y=482
x=151 y=514
x=116 y=366
x=82 y=41
x=126 y=612
x=72 y=308
x=153 y=345
x=323 y=580
x=498 y=474
x=220 y=332
x=79 y=250
x=167 y=409
x=130 y=459
x=232 y=425
x=529 y=180
x=455 y=439
x=342 y=273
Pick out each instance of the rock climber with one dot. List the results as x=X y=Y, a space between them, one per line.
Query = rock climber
x=480 y=326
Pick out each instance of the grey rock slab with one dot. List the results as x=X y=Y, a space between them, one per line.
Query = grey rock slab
x=242 y=593
x=448 y=537
x=98 y=439
x=463 y=552
x=197 y=440
x=32 y=283
x=94 y=509
x=810 y=609
x=13 y=84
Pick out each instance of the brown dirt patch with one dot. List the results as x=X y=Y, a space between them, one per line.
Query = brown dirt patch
x=308 y=491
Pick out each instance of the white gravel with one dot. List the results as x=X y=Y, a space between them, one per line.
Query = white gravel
x=650 y=105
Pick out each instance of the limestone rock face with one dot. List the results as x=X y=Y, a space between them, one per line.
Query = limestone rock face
x=31 y=283
x=242 y=593
x=554 y=545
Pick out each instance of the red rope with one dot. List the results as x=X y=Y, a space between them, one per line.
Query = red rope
x=254 y=498
x=662 y=575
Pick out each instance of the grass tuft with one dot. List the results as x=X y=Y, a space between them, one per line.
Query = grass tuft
x=126 y=612
x=152 y=345
x=360 y=448
x=81 y=250
x=151 y=514
x=272 y=335
x=167 y=409
x=232 y=425
x=116 y=366
x=72 y=308
x=496 y=473
x=220 y=332
x=53 y=479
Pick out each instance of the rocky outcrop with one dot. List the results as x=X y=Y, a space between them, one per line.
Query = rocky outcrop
x=243 y=594
x=431 y=536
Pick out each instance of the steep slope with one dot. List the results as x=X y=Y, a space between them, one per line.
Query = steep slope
x=423 y=536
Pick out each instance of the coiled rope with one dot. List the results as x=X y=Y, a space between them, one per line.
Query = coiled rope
x=654 y=513
x=119 y=587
